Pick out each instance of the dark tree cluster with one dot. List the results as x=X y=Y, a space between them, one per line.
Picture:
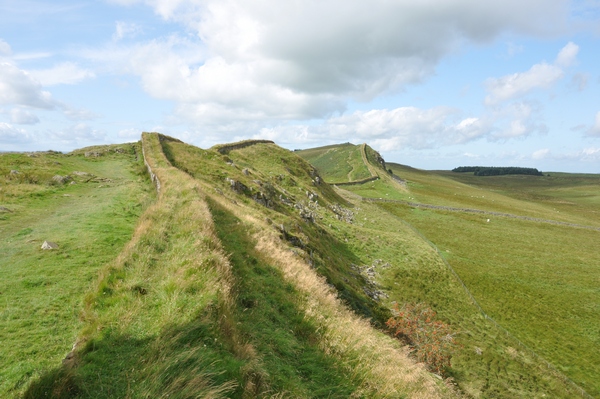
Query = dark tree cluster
x=497 y=170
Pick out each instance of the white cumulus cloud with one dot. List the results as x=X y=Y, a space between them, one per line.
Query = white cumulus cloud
x=539 y=76
x=302 y=60
x=567 y=55
x=541 y=154
x=5 y=48
x=11 y=135
x=22 y=116
x=18 y=87
x=78 y=133
x=63 y=73
x=388 y=130
x=126 y=29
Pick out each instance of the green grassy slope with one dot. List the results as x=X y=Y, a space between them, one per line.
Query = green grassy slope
x=41 y=292
x=249 y=277
x=215 y=297
x=488 y=364
x=337 y=163
x=536 y=279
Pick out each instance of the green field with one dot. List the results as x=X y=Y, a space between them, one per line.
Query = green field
x=536 y=279
x=41 y=292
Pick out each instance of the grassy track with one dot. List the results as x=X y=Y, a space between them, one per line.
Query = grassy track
x=41 y=292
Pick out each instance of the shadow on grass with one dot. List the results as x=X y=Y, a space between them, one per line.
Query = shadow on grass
x=182 y=362
x=269 y=317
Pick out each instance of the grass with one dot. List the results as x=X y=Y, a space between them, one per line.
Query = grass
x=526 y=275
x=42 y=291
x=271 y=320
x=541 y=288
x=248 y=278
x=154 y=321
x=368 y=363
x=338 y=163
x=203 y=302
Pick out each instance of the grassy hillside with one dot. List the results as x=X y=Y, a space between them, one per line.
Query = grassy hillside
x=250 y=277
x=337 y=163
x=535 y=278
x=218 y=294
x=41 y=292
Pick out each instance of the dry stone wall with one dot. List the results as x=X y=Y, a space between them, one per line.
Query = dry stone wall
x=153 y=176
x=224 y=149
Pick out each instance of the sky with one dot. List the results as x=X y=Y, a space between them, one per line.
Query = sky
x=433 y=84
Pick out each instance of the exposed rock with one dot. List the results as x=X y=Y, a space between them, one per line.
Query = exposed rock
x=245 y=171
x=49 y=245
x=14 y=172
x=263 y=199
x=369 y=273
x=3 y=209
x=312 y=196
x=237 y=186
x=94 y=154
x=61 y=179
x=343 y=214
x=285 y=200
x=292 y=239
x=379 y=159
x=78 y=173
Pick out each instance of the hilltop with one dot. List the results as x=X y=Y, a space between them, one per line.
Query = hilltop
x=246 y=270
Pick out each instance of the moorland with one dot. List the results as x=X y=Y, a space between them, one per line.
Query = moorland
x=248 y=270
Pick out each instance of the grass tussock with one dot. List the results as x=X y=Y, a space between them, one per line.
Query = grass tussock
x=380 y=365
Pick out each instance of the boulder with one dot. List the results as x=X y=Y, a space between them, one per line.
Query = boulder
x=49 y=245
x=61 y=179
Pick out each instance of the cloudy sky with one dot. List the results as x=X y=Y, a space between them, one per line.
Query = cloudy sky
x=434 y=84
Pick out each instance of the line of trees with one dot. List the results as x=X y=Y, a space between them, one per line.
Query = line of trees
x=497 y=170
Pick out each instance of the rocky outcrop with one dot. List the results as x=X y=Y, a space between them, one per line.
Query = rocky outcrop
x=372 y=288
x=58 y=179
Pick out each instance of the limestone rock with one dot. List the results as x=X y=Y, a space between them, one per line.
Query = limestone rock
x=49 y=245
x=61 y=179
